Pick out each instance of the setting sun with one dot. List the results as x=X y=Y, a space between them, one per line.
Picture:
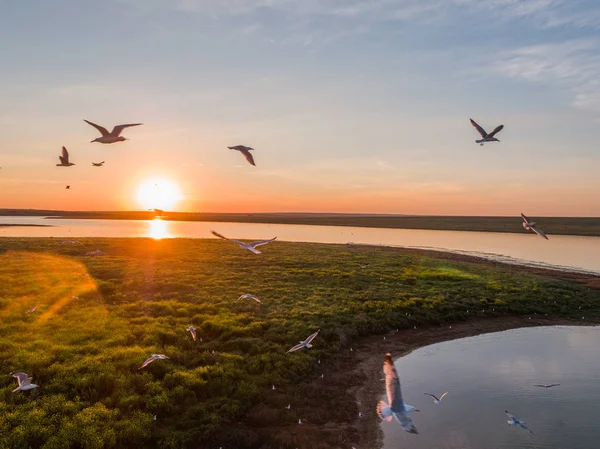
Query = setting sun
x=158 y=194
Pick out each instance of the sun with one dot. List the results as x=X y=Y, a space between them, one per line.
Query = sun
x=158 y=194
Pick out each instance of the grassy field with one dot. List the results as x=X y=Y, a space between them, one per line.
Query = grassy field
x=99 y=318
x=588 y=226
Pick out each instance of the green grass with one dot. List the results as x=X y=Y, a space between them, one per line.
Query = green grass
x=139 y=299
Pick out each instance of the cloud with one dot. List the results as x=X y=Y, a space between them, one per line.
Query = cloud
x=572 y=66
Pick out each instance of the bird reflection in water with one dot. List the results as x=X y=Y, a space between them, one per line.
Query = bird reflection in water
x=158 y=229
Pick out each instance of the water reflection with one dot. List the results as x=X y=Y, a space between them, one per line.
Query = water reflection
x=487 y=374
x=158 y=229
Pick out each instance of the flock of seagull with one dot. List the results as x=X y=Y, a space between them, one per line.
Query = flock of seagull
x=395 y=408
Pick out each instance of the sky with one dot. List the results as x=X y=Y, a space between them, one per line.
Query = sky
x=356 y=106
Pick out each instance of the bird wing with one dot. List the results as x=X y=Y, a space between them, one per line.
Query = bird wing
x=405 y=422
x=22 y=378
x=478 y=128
x=64 y=158
x=524 y=217
x=102 y=129
x=260 y=242
x=298 y=346
x=511 y=417
x=553 y=385
x=311 y=337
x=147 y=362
x=226 y=238
x=495 y=131
x=539 y=385
x=248 y=156
x=539 y=232
x=432 y=395
x=443 y=395
x=117 y=130
x=392 y=385
x=522 y=424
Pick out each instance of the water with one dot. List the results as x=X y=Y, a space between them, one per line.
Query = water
x=487 y=374
x=562 y=251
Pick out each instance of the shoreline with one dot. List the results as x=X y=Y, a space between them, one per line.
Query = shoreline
x=370 y=353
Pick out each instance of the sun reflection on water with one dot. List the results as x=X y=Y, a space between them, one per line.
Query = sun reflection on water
x=159 y=229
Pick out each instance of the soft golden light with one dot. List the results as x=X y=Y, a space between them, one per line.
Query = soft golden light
x=159 y=229
x=158 y=194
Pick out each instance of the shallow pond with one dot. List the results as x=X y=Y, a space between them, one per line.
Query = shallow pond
x=487 y=374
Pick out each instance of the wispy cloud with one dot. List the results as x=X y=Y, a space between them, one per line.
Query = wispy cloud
x=573 y=66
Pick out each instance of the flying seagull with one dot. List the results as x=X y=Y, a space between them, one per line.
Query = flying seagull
x=64 y=159
x=32 y=309
x=192 y=331
x=513 y=421
x=247 y=296
x=396 y=408
x=532 y=226
x=152 y=359
x=485 y=136
x=24 y=382
x=245 y=151
x=306 y=343
x=437 y=400
x=98 y=164
x=249 y=246
x=68 y=188
x=114 y=135
x=547 y=386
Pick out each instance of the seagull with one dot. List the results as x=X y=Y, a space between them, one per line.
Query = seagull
x=485 y=136
x=396 y=408
x=64 y=159
x=249 y=246
x=247 y=296
x=24 y=382
x=98 y=164
x=68 y=188
x=113 y=136
x=363 y=266
x=32 y=310
x=513 y=421
x=192 y=331
x=305 y=343
x=158 y=211
x=532 y=226
x=152 y=359
x=245 y=151
x=436 y=400
x=547 y=386
x=289 y=406
x=361 y=415
x=273 y=388
x=300 y=421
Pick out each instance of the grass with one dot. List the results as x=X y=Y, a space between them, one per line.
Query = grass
x=584 y=226
x=84 y=353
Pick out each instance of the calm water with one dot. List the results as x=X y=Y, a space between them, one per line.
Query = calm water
x=581 y=253
x=487 y=374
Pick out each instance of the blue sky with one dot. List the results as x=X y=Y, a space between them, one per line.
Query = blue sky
x=352 y=105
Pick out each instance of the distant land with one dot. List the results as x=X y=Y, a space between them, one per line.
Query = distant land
x=584 y=226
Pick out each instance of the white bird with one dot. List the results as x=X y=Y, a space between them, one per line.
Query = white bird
x=152 y=359
x=361 y=414
x=245 y=151
x=289 y=406
x=306 y=343
x=532 y=226
x=114 y=135
x=64 y=159
x=396 y=407
x=547 y=386
x=32 y=310
x=322 y=376
x=98 y=164
x=513 y=421
x=300 y=421
x=436 y=400
x=248 y=296
x=363 y=266
x=485 y=136
x=249 y=246
x=24 y=382
x=273 y=388
x=192 y=331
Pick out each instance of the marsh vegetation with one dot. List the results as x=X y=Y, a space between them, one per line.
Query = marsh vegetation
x=99 y=318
